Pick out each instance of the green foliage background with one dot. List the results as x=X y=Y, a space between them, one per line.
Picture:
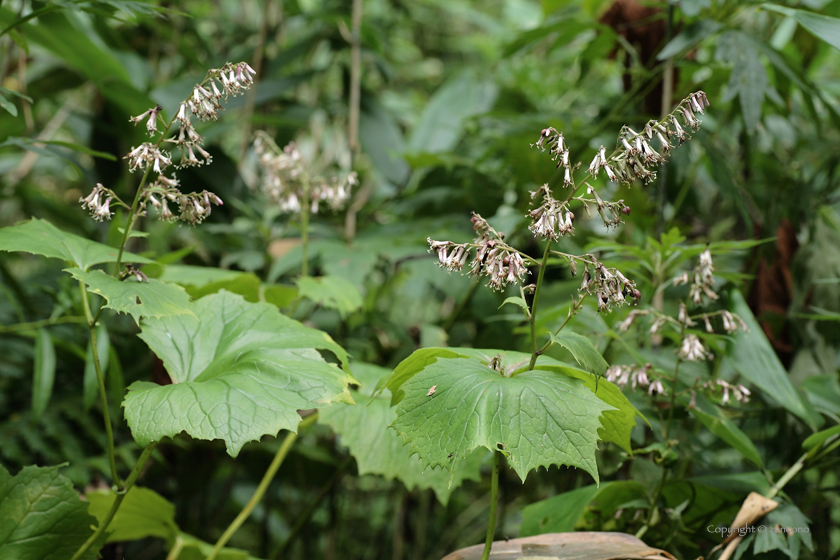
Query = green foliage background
x=453 y=92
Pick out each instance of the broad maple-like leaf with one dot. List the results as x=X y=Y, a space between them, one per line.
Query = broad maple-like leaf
x=42 y=238
x=537 y=418
x=364 y=429
x=152 y=299
x=239 y=371
x=41 y=516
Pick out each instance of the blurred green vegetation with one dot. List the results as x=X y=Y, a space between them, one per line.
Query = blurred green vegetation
x=452 y=95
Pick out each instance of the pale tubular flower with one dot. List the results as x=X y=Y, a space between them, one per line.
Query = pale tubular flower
x=195 y=207
x=656 y=388
x=552 y=219
x=683 y=317
x=692 y=350
x=148 y=154
x=634 y=150
x=151 y=121
x=451 y=256
x=98 y=203
x=618 y=374
x=631 y=318
x=703 y=280
x=739 y=392
x=494 y=259
x=609 y=286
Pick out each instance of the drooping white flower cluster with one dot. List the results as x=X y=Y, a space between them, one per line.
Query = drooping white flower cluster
x=623 y=375
x=692 y=350
x=205 y=99
x=609 y=286
x=145 y=155
x=285 y=178
x=610 y=212
x=739 y=392
x=634 y=152
x=193 y=208
x=494 y=259
x=553 y=140
x=702 y=281
x=98 y=203
x=552 y=219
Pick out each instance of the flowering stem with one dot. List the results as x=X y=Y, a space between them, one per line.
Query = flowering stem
x=494 y=503
x=574 y=311
x=132 y=215
x=101 y=381
x=304 y=228
x=673 y=391
x=129 y=484
x=533 y=318
x=261 y=489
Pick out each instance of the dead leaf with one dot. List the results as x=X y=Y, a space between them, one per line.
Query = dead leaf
x=567 y=546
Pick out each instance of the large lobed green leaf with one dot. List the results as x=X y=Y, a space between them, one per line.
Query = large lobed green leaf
x=239 y=371
x=40 y=237
x=537 y=418
x=152 y=299
x=41 y=516
x=379 y=450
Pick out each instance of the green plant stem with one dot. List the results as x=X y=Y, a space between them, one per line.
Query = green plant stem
x=533 y=319
x=578 y=303
x=667 y=431
x=494 y=505
x=304 y=229
x=43 y=323
x=447 y=324
x=132 y=216
x=791 y=472
x=129 y=484
x=261 y=489
x=641 y=532
x=100 y=378
x=304 y=517
x=176 y=549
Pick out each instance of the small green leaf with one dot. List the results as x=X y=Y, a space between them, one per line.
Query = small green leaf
x=825 y=27
x=716 y=421
x=583 y=351
x=7 y=91
x=332 y=292
x=143 y=513
x=279 y=295
x=152 y=299
x=537 y=418
x=41 y=516
x=40 y=237
x=8 y=106
x=558 y=514
x=817 y=439
x=240 y=370
x=689 y=37
x=198 y=276
x=516 y=301
x=246 y=285
x=379 y=450
x=90 y=382
x=44 y=373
